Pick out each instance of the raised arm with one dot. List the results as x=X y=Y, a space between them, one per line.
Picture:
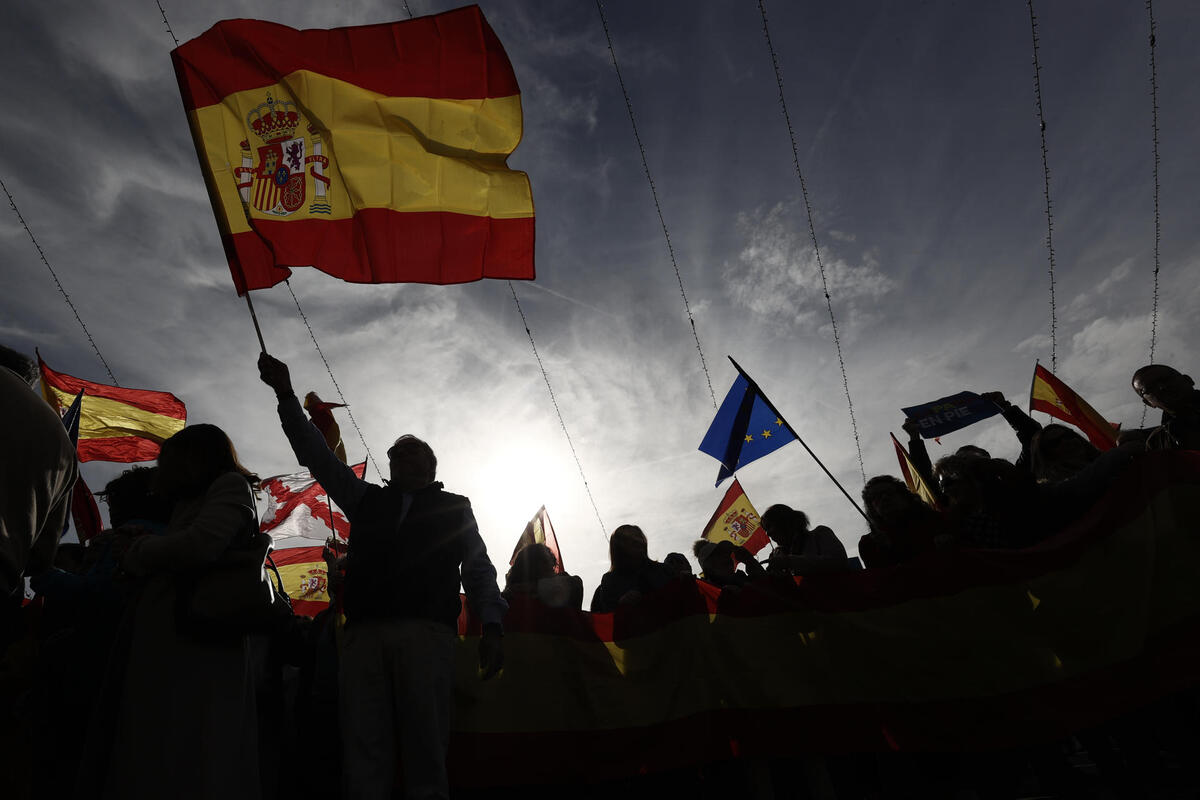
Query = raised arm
x=1022 y=424
x=336 y=478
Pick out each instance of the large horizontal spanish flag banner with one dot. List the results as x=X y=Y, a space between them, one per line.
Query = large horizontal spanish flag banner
x=375 y=154
x=115 y=424
x=956 y=651
x=1050 y=395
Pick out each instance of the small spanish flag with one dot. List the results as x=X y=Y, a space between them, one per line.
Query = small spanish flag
x=376 y=154
x=735 y=520
x=115 y=424
x=305 y=577
x=912 y=476
x=1055 y=398
x=539 y=531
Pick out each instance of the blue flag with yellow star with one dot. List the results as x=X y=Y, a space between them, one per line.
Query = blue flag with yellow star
x=744 y=429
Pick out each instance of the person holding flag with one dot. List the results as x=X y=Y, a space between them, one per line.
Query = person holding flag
x=410 y=544
x=903 y=526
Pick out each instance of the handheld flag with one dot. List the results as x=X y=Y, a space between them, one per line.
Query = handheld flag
x=115 y=424
x=376 y=154
x=298 y=510
x=539 y=531
x=321 y=414
x=1055 y=398
x=84 y=511
x=735 y=520
x=948 y=414
x=305 y=578
x=912 y=476
x=744 y=429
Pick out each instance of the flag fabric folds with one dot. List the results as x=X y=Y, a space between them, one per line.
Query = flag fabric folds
x=299 y=513
x=85 y=514
x=539 y=531
x=321 y=414
x=948 y=414
x=1051 y=395
x=305 y=577
x=912 y=476
x=744 y=429
x=960 y=650
x=115 y=424
x=375 y=154
x=736 y=520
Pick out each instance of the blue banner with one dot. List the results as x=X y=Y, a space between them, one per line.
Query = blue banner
x=950 y=413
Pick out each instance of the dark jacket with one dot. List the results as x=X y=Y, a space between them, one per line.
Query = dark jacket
x=406 y=565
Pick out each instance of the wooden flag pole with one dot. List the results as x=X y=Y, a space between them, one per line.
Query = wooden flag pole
x=254 y=319
x=786 y=424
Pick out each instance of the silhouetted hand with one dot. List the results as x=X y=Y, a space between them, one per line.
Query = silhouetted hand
x=912 y=428
x=491 y=651
x=995 y=397
x=274 y=373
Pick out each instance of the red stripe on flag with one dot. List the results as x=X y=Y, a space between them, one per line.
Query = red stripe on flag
x=119 y=449
x=379 y=245
x=297 y=555
x=454 y=55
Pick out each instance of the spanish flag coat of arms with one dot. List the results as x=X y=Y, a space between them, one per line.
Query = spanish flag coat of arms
x=375 y=154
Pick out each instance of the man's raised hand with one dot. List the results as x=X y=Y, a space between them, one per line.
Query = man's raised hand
x=274 y=373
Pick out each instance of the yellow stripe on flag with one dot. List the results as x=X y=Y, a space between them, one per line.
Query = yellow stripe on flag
x=104 y=418
x=440 y=154
x=305 y=581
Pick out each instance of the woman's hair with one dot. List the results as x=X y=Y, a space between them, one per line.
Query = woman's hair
x=1057 y=453
x=878 y=485
x=131 y=495
x=627 y=548
x=195 y=457
x=533 y=562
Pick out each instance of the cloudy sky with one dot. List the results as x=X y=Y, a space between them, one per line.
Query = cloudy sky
x=918 y=138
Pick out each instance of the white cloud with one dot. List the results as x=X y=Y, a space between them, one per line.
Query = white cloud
x=777 y=275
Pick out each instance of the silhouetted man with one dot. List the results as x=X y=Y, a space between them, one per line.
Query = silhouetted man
x=410 y=545
x=37 y=471
x=1176 y=395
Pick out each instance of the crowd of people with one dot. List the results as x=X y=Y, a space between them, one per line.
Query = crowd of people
x=153 y=662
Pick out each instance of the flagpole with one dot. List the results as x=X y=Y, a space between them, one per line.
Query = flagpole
x=254 y=319
x=787 y=425
x=1032 y=383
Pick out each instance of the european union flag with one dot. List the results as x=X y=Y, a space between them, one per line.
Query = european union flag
x=744 y=429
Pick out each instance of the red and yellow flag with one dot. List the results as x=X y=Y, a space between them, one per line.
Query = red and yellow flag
x=115 y=424
x=539 y=531
x=1055 y=398
x=735 y=520
x=912 y=476
x=305 y=578
x=376 y=154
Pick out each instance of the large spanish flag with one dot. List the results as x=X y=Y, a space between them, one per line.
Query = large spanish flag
x=956 y=650
x=1052 y=396
x=375 y=154
x=115 y=424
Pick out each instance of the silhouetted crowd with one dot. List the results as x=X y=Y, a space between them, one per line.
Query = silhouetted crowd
x=160 y=659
